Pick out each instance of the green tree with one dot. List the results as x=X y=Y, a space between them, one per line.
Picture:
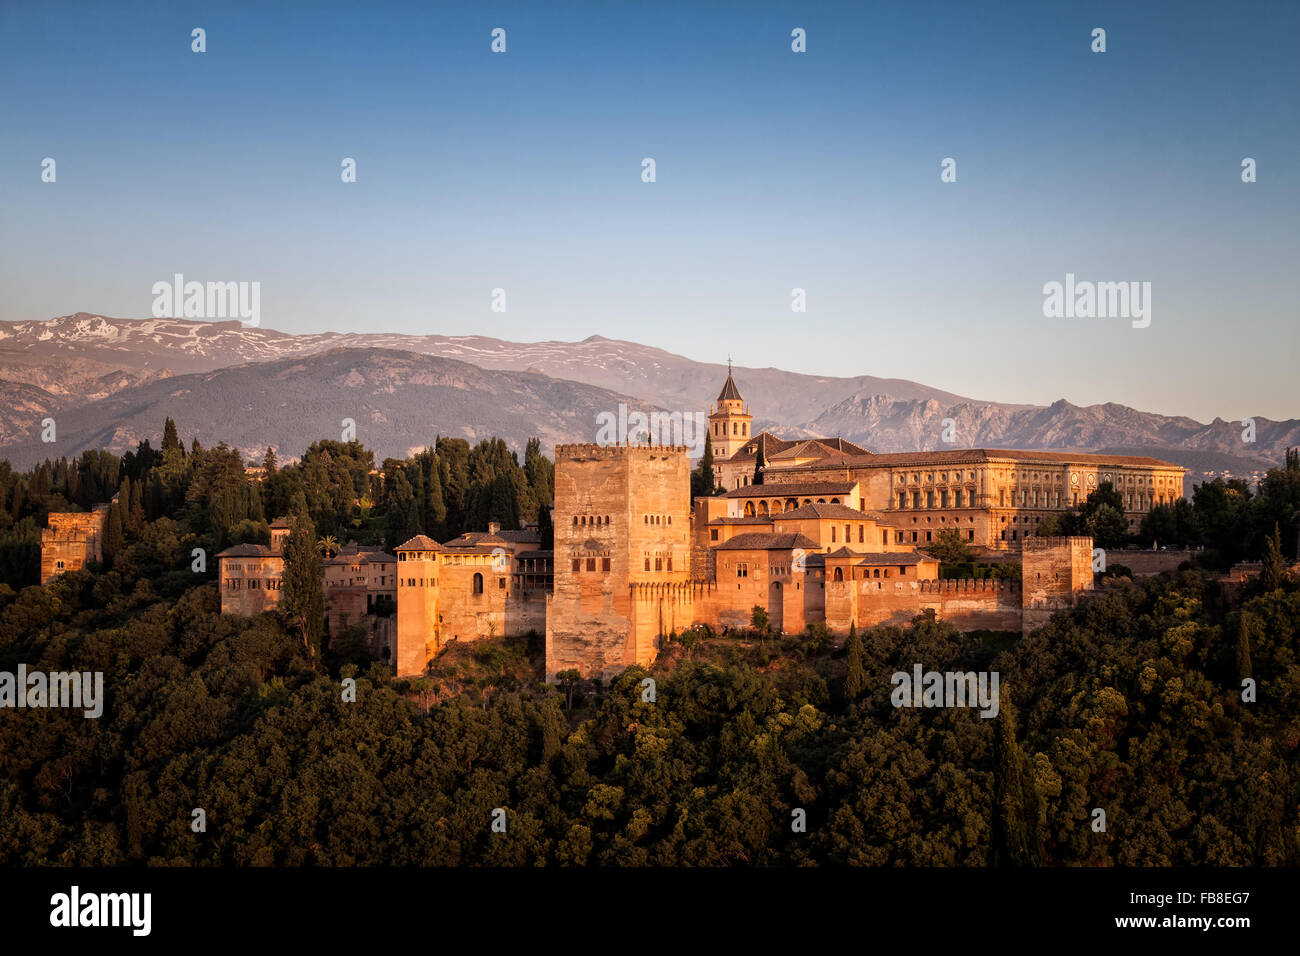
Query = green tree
x=855 y=677
x=1108 y=526
x=114 y=535
x=703 y=482
x=302 y=598
x=1271 y=575
x=1247 y=624
x=1014 y=839
x=568 y=680
x=760 y=462
x=950 y=549
x=171 y=439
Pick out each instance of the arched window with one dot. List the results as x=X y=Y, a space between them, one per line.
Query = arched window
x=839 y=574
x=478 y=583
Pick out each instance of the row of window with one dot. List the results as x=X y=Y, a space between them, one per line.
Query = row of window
x=477 y=586
x=848 y=536
x=1124 y=480
x=589 y=564
x=900 y=536
x=960 y=499
x=858 y=574
x=792 y=503
x=916 y=477
x=252 y=584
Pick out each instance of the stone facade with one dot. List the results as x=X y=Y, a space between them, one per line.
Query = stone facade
x=70 y=540
x=361 y=589
x=837 y=545
x=1053 y=572
x=481 y=585
x=622 y=522
x=250 y=575
x=994 y=498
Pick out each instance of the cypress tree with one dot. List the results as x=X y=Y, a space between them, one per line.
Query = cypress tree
x=1246 y=625
x=114 y=537
x=855 y=679
x=760 y=462
x=1270 y=577
x=170 y=437
x=702 y=479
x=303 y=597
x=545 y=528
x=1014 y=839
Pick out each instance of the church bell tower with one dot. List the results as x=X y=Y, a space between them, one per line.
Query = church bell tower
x=729 y=421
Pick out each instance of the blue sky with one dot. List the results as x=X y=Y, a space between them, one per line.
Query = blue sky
x=775 y=170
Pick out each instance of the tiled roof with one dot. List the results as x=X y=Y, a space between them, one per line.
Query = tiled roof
x=526 y=536
x=768 y=541
x=965 y=455
x=792 y=489
x=247 y=551
x=421 y=542
x=376 y=556
x=746 y=519
x=729 y=391
x=776 y=449
x=817 y=510
x=819 y=448
x=880 y=558
x=477 y=539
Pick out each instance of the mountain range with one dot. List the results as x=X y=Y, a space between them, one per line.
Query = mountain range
x=111 y=382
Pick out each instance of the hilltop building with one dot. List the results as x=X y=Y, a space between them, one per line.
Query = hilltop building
x=994 y=498
x=70 y=540
x=482 y=584
x=249 y=575
x=834 y=535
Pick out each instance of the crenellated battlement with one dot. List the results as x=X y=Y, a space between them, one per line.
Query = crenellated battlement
x=593 y=451
x=677 y=590
x=970 y=586
x=1049 y=544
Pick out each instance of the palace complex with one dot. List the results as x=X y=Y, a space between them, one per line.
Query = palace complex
x=833 y=535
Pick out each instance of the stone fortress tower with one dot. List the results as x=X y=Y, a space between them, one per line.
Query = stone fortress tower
x=70 y=540
x=622 y=520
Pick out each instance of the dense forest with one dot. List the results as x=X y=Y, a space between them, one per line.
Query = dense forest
x=206 y=499
x=1132 y=703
